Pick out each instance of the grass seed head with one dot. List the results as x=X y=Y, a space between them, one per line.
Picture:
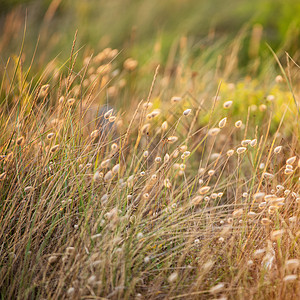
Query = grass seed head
x=227 y=104
x=277 y=149
x=238 y=124
x=222 y=123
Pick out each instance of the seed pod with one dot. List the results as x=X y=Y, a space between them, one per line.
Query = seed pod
x=108 y=176
x=230 y=152
x=176 y=99
x=54 y=148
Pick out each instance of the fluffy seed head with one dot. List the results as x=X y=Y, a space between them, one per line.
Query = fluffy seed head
x=94 y=133
x=145 y=128
x=172 y=139
x=292 y=264
x=54 y=148
x=108 y=114
x=116 y=168
x=277 y=234
x=230 y=152
x=253 y=143
x=291 y=160
x=277 y=149
x=173 y=277
x=164 y=126
x=290 y=278
x=203 y=190
x=213 y=131
x=245 y=143
x=71 y=101
x=217 y=288
x=238 y=124
x=108 y=176
x=50 y=135
x=187 y=112
x=176 y=99
x=227 y=104
x=222 y=123
x=241 y=150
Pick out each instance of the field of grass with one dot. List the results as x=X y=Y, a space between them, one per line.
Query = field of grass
x=172 y=173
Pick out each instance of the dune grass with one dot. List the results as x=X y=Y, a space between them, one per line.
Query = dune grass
x=189 y=189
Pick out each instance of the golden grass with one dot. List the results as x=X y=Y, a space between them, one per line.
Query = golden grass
x=183 y=195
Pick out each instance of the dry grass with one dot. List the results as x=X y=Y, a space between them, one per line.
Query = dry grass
x=186 y=194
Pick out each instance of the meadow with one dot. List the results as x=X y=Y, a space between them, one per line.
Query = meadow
x=167 y=168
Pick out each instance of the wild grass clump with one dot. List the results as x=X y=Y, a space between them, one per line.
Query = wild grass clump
x=158 y=195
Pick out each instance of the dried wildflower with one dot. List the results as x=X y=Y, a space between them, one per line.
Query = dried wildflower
x=238 y=124
x=291 y=160
x=203 y=190
x=227 y=104
x=222 y=123
x=270 y=98
x=213 y=131
x=54 y=148
x=230 y=152
x=176 y=99
x=146 y=153
x=245 y=195
x=187 y=112
x=241 y=150
x=277 y=149
x=108 y=176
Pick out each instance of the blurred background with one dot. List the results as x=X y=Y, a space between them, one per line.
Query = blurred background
x=150 y=28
